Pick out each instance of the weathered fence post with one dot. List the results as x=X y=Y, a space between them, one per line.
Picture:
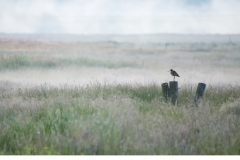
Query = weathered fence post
x=173 y=91
x=165 y=90
x=199 y=92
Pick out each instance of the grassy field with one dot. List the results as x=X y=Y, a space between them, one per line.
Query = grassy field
x=115 y=104
x=118 y=119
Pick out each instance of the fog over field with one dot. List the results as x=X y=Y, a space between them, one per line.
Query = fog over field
x=78 y=42
x=79 y=60
x=83 y=77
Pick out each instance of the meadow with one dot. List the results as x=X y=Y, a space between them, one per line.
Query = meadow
x=105 y=98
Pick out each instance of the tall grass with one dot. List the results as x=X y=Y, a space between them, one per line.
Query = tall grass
x=118 y=119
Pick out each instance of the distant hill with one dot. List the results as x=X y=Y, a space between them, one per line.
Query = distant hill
x=151 y=38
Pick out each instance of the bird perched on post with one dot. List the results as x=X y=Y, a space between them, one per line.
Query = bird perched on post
x=173 y=73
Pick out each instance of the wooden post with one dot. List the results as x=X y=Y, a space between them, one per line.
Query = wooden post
x=173 y=91
x=165 y=90
x=199 y=92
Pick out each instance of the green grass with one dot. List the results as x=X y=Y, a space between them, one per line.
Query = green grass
x=21 y=61
x=118 y=119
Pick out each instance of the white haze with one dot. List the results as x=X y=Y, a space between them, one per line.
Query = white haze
x=120 y=17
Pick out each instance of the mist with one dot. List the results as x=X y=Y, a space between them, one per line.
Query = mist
x=136 y=41
x=120 y=17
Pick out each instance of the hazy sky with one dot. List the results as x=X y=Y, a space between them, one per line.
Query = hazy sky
x=120 y=16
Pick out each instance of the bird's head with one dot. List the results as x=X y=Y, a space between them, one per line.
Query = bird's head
x=170 y=70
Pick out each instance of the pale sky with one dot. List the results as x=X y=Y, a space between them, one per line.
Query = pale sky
x=120 y=16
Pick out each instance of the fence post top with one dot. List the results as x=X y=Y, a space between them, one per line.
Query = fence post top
x=163 y=84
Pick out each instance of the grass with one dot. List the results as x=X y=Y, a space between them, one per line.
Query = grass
x=21 y=61
x=116 y=118
x=108 y=119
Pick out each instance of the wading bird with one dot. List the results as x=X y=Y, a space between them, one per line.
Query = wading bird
x=173 y=73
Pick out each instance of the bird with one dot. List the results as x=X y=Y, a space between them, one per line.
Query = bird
x=173 y=73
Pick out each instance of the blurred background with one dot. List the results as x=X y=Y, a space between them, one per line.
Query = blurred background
x=79 y=41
